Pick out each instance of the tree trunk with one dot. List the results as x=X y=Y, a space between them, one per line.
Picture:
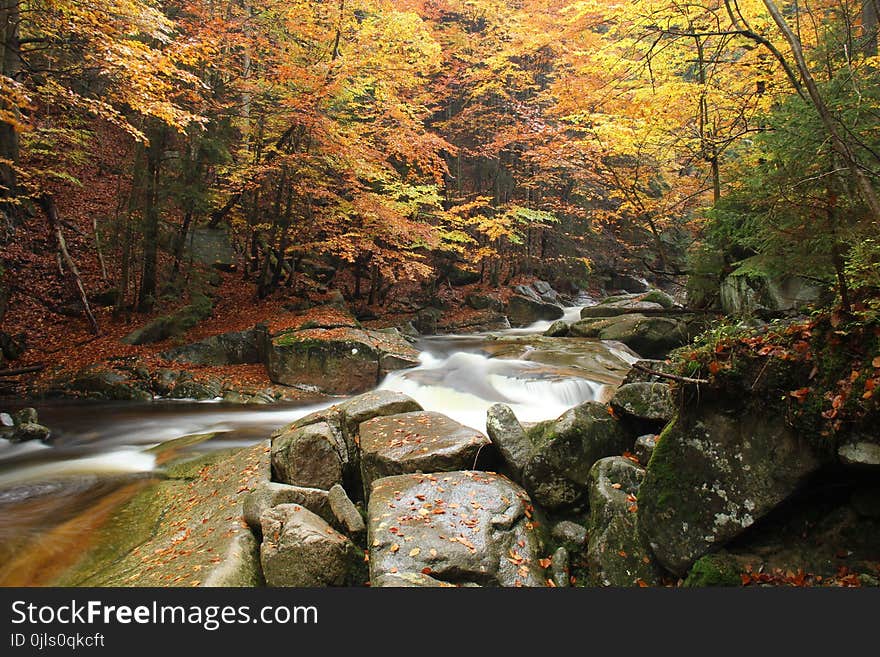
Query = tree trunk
x=47 y=203
x=10 y=66
x=147 y=293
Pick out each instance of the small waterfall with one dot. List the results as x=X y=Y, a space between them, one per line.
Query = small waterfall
x=464 y=385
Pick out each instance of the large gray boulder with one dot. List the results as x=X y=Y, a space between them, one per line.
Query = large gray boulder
x=522 y=310
x=509 y=438
x=233 y=348
x=341 y=360
x=464 y=527
x=422 y=441
x=650 y=337
x=566 y=448
x=300 y=549
x=616 y=553
x=644 y=401
x=622 y=307
x=313 y=456
x=715 y=471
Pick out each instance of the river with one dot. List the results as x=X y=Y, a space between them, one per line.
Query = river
x=101 y=448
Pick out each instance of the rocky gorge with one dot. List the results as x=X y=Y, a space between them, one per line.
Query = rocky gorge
x=657 y=475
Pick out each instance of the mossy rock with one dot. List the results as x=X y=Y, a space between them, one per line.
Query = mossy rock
x=717 y=569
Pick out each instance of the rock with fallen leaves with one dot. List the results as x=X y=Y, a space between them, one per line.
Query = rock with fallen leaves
x=300 y=549
x=509 y=438
x=462 y=528
x=716 y=470
x=616 y=553
x=268 y=494
x=311 y=456
x=619 y=307
x=650 y=402
x=566 y=448
x=342 y=360
x=422 y=441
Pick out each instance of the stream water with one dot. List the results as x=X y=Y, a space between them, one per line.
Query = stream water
x=98 y=448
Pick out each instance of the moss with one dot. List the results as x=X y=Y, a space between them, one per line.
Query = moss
x=717 y=569
x=656 y=296
x=664 y=480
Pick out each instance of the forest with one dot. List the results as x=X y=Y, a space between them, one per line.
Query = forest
x=629 y=248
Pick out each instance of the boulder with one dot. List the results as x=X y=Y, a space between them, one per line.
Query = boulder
x=566 y=448
x=560 y=571
x=347 y=516
x=300 y=549
x=644 y=447
x=484 y=320
x=312 y=456
x=615 y=308
x=269 y=494
x=422 y=441
x=484 y=301
x=509 y=438
x=239 y=567
x=340 y=360
x=616 y=553
x=570 y=534
x=627 y=283
x=426 y=320
x=233 y=348
x=29 y=431
x=651 y=337
x=367 y=406
x=716 y=470
x=644 y=401
x=463 y=527
x=659 y=296
x=173 y=325
x=522 y=310
x=558 y=329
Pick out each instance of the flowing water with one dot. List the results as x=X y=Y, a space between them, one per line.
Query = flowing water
x=101 y=449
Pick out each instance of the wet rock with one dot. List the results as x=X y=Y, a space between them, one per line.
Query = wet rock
x=644 y=447
x=6 y=420
x=558 y=329
x=566 y=448
x=509 y=438
x=463 y=527
x=300 y=549
x=422 y=441
x=377 y=403
x=616 y=553
x=522 y=310
x=312 y=456
x=486 y=320
x=101 y=382
x=175 y=324
x=269 y=494
x=29 y=431
x=26 y=416
x=659 y=296
x=644 y=401
x=337 y=361
x=651 y=337
x=347 y=516
x=716 y=470
x=204 y=389
x=560 y=572
x=570 y=534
